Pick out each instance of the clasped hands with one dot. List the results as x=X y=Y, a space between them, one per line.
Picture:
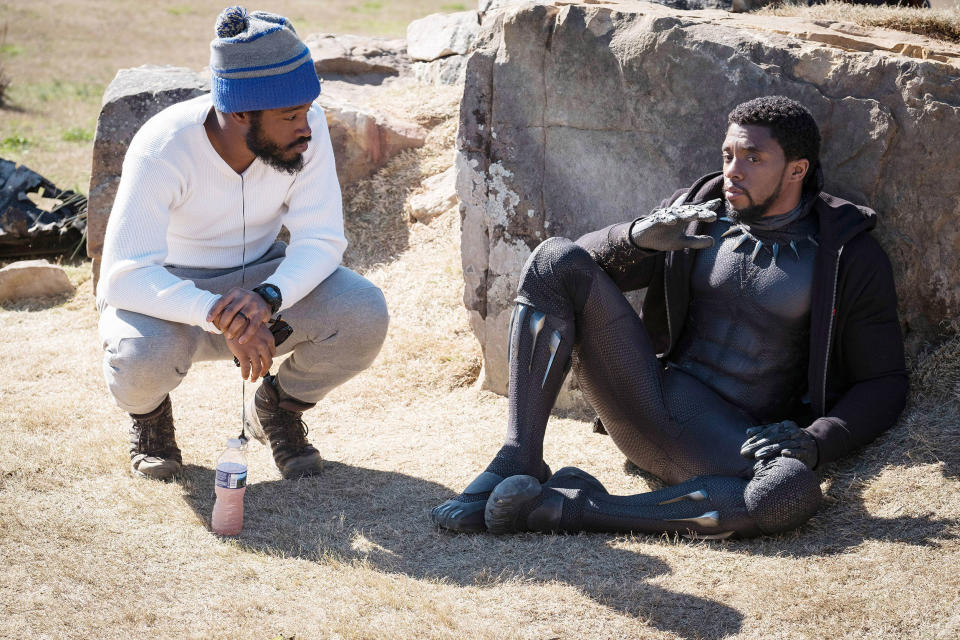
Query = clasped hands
x=242 y=316
x=785 y=439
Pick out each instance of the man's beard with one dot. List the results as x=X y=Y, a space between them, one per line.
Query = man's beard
x=755 y=211
x=270 y=152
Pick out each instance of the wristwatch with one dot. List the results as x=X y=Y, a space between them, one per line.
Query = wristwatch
x=271 y=295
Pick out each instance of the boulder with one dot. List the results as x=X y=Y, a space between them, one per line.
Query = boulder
x=336 y=55
x=490 y=6
x=363 y=141
x=545 y=151
x=131 y=99
x=484 y=6
x=438 y=196
x=442 y=34
x=33 y=279
x=448 y=70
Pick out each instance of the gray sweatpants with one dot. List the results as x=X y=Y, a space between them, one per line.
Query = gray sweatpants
x=337 y=332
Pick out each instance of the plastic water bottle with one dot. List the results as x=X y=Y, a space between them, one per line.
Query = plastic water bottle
x=231 y=484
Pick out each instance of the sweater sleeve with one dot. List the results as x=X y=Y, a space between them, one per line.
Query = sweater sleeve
x=135 y=248
x=314 y=218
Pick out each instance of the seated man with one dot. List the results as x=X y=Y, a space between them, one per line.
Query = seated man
x=191 y=267
x=780 y=311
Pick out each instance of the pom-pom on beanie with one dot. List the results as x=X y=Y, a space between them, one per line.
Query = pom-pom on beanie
x=257 y=61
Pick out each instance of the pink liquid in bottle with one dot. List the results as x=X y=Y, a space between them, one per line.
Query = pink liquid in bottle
x=231 y=484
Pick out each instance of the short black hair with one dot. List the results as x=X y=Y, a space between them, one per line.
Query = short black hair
x=790 y=124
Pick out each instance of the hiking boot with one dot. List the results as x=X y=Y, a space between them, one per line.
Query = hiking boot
x=281 y=421
x=153 y=448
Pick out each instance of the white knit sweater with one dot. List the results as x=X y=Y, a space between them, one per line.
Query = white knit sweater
x=179 y=203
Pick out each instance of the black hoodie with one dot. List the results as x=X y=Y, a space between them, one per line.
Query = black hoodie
x=857 y=379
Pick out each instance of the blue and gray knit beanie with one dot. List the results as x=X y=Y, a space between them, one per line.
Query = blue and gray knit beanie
x=257 y=61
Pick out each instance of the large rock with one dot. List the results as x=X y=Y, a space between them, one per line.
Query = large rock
x=132 y=98
x=490 y=6
x=439 y=195
x=443 y=71
x=575 y=117
x=442 y=34
x=363 y=141
x=33 y=279
x=357 y=55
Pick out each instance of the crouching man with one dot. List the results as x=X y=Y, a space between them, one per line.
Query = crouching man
x=768 y=345
x=191 y=266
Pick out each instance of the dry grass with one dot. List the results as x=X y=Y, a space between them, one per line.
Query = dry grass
x=89 y=551
x=942 y=24
x=4 y=79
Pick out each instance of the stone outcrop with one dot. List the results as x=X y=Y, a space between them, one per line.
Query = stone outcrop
x=442 y=34
x=491 y=6
x=448 y=70
x=578 y=116
x=335 y=55
x=29 y=279
x=364 y=141
x=439 y=195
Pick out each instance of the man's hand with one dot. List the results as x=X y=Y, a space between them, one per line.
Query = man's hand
x=666 y=229
x=780 y=439
x=239 y=314
x=255 y=355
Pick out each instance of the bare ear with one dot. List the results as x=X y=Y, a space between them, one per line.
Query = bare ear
x=798 y=169
x=241 y=118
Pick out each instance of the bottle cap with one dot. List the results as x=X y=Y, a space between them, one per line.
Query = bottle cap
x=234 y=443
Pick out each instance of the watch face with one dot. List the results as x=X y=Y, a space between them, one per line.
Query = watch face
x=271 y=294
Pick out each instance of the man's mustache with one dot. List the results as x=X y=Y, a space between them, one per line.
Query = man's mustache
x=300 y=140
x=727 y=185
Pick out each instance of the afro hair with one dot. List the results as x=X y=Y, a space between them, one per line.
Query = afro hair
x=790 y=124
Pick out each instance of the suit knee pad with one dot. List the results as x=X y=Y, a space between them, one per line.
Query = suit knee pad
x=557 y=276
x=782 y=495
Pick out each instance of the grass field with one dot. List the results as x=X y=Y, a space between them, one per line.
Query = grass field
x=60 y=55
x=90 y=552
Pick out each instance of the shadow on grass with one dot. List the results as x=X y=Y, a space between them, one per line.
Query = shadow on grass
x=926 y=434
x=381 y=519
x=36 y=304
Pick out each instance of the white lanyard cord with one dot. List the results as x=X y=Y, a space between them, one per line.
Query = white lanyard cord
x=243 y=282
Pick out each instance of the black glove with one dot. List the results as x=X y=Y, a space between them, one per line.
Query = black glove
x=785 y=439
x=666 y=229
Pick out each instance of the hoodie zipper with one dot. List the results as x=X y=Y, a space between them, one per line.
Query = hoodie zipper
x=833 y=314
x=666 y=288
x=666 y=302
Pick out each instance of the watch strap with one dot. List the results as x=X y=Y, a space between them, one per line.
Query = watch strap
x=271 y=295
